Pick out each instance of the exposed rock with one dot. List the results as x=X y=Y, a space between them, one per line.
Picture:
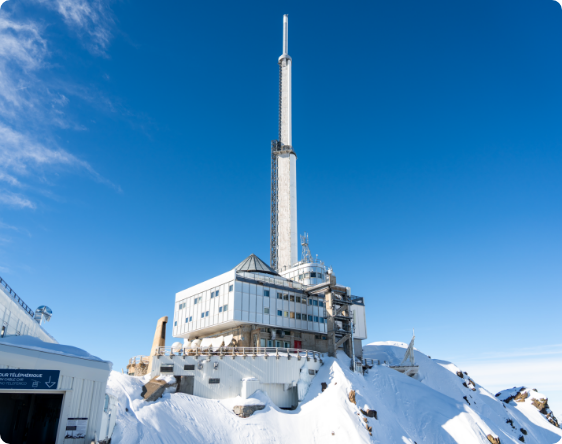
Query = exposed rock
x=352 y=397
x=510 y=422
x=521 y=396
x=460 y=375
x=521 y=438
x=541 y=405
x=522 y=430
x=493 y=440
x=464 y=383
x=245 y=411
x=466 y=399
x=365 y=420
x=369 y=413
x=154 y=389
x=324 y=386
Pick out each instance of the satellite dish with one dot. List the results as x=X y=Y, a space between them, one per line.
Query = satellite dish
x=43 y=313
x=177 y=346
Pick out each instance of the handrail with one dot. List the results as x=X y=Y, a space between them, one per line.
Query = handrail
x=239 y=351
x=17 y=298
x=140 y=359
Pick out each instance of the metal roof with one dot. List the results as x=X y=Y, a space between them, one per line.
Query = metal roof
x=254 y=264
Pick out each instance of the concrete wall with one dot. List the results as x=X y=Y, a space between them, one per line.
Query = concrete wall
x=82 y=382
x=287 y=207
x=276 y=376
x=18 y=321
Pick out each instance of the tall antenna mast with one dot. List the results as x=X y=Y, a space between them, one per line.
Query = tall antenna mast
x=284 y=234
x=306 y=255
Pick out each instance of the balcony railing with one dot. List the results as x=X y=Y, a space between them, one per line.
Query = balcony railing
x=240 y=351
x=271 y=280
x=19 y=300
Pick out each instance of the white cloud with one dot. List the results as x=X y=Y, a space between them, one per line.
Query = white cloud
x=92 y=20
x=30 y=107
x=9 y=198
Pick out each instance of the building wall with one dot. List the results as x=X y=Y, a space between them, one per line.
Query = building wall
x=17 y=321
x=307 y=273
x=275 y=376
x=81 y=381
x=247 y=303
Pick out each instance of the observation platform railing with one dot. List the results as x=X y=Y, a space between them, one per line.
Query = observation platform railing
x=241 y=351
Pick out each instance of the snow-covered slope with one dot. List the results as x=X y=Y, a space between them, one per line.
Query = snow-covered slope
x=434 y=407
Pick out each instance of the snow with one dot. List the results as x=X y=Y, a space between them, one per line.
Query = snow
x=33 y=343
x=429 y=408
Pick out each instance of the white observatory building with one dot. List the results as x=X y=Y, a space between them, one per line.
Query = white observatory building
x=289 y=303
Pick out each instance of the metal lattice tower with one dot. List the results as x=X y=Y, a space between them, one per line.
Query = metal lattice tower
x=306 y=255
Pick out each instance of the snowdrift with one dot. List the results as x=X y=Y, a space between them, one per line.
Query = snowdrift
x=440 y=405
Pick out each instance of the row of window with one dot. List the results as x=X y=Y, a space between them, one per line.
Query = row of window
x=311 y=275
x=298 y=299
x=303 y=317
x=206 y=313
x=214 y=294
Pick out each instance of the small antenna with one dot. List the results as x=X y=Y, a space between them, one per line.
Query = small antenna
x=286 y=34
x=306 y=255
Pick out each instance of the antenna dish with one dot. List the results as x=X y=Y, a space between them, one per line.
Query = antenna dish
x=177 y=346
x=43 y=313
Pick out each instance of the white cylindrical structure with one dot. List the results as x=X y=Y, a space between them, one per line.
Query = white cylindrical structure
x=287 y=164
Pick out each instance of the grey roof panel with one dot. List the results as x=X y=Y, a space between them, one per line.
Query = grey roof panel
x=254 y=264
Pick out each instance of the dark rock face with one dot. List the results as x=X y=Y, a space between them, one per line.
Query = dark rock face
x=245 y=411
x=324 y=386
x=460 y=375
x=154 y=389
x=369 y=413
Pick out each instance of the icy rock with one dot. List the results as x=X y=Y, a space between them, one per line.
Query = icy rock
x=245 y=411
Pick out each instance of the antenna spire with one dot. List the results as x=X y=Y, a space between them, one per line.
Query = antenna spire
x=286 y=34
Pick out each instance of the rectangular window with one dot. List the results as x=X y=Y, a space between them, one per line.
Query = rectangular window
x=217 y=292
x=167 y=368
x=287 y=333
x=315 y=302
x=324 y=338
x=311 y=372
x=279 y=296
x=214 y=381
x=298 y=315
x=262 y=342
x=269 y=343
x=225 y=308
x=309 y=317
x=285 y=314
x=266 y=310
x=189 y=367
x=300 y=277
x=278 y=344
x=279 y=313
x=292 y=315
x=230 y=288
x=207 y=313
x=287 y=345
x=312 y=275
x=186 y=320
x=266 y=293
x=310 y=302
x=203 y=314
x=315 y=318
x=285 y=297
x=292 y=298
x=303 y=300
x=320 y=303
x=190 y=318
x=195 y=301
x=298 y=298
x=220 y=309
x=175 y=323
x=212 y=294
x=320 y=276
x=307 y=275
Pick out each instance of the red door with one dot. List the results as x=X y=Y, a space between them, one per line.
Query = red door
x=298 y=345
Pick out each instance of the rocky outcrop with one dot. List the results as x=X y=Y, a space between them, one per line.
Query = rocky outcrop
x=155 y=388
x=245 y=411
x=352 y=397
x=493 y=440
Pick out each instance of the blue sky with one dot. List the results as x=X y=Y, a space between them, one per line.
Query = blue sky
x=134 y=163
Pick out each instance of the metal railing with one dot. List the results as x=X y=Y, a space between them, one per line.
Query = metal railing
x=17 y=298
x=271 y=280
x=240 y=351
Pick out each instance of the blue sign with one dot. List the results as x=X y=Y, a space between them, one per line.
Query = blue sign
x=29 y=379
